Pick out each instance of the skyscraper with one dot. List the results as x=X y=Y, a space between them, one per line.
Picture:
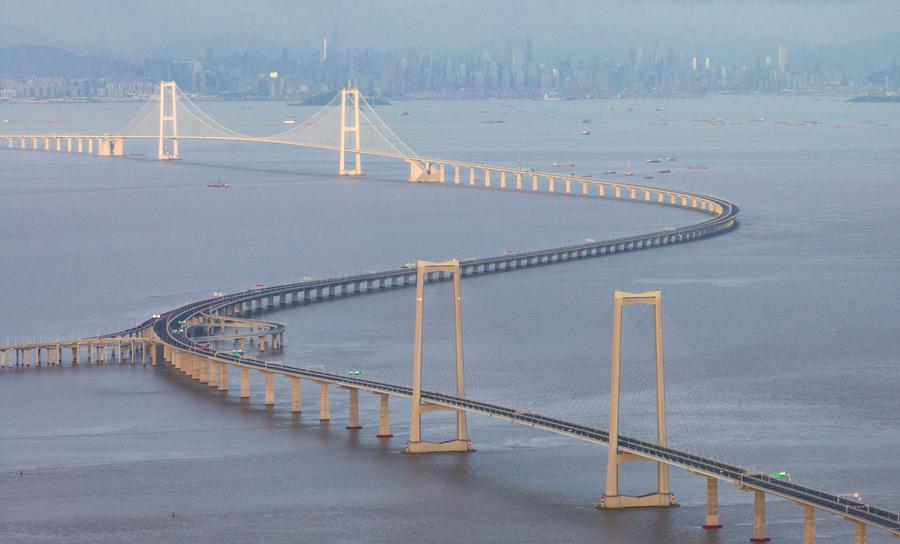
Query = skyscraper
x=782 y=57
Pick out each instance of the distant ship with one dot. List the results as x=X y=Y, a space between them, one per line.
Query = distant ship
x=404 y=113
x=585 y=132
x=666 y=171
x=628 y=171
x=609 y=172
x=587 y=121
x=220 y=185
x=563 y=164
x=697 y=167
x=653 y=161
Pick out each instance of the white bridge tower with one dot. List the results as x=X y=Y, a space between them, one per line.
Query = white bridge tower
x=168 y=95
x=351 y=95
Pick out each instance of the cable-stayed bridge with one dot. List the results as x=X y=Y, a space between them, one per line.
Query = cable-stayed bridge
x=189 y=337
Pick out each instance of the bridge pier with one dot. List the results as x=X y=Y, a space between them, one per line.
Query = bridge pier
x=353 y=409
x=712 y=504
x=384 y=417
x=759 y=517
x=213 y=371
x=270 y=389
x=324 y=405
x=245 y=383
x=859 y=533
x=295 y=395
x=809 y=524
x=223 y=377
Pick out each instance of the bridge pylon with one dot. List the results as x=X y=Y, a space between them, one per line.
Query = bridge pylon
x=461 y=443
x=611 y=499
x=168 y=115
x=350 y=95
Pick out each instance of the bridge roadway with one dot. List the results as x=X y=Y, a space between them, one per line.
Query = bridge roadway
x=741 y=477
x=724 y=218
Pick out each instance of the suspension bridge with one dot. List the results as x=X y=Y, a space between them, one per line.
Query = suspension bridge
x=188 y=337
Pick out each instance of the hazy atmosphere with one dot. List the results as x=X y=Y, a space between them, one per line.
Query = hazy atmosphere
x=418 y=271
x=173 y=27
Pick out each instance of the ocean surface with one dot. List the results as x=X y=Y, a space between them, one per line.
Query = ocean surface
x=782 y=337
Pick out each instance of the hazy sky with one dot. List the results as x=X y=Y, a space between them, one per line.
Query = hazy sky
x=188 y=27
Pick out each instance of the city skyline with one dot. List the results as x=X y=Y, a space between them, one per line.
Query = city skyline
x=517 y=69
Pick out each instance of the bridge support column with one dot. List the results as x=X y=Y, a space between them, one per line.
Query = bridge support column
x=270 y=389
x=456 y=174
x=461 y=442
x=202 y=369
x=245 y=383
x=809 y=524
x=353 y=409
x=712 y=504
x=503 y=179
x=612 y=499
x=213 y=370
x=223 y=377
x=859 y=533
x=324 y=405
x=384 y=418
x=295 y=395
x=759 y=517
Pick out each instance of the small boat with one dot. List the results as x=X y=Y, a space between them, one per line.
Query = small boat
x=587 y=121
x=653 y=161
x=671 y=159
x=585 y=132
x=666 y=171
x=289 y=122
x=563 y=164
x=609 y=172
x=404 y=113
x=220 y=184
x=648 y=176
x=697 y=167
x=628 y=171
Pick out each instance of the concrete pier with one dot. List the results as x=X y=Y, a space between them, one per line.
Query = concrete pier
x=295 y=395
x=712 y=504
x=353 y=407
x=384 y=418
x=759 y=517
x=324 y=405
x=245 y=383
x=809 y=525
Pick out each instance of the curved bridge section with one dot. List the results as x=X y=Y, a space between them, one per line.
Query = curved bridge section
x=185 y=333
